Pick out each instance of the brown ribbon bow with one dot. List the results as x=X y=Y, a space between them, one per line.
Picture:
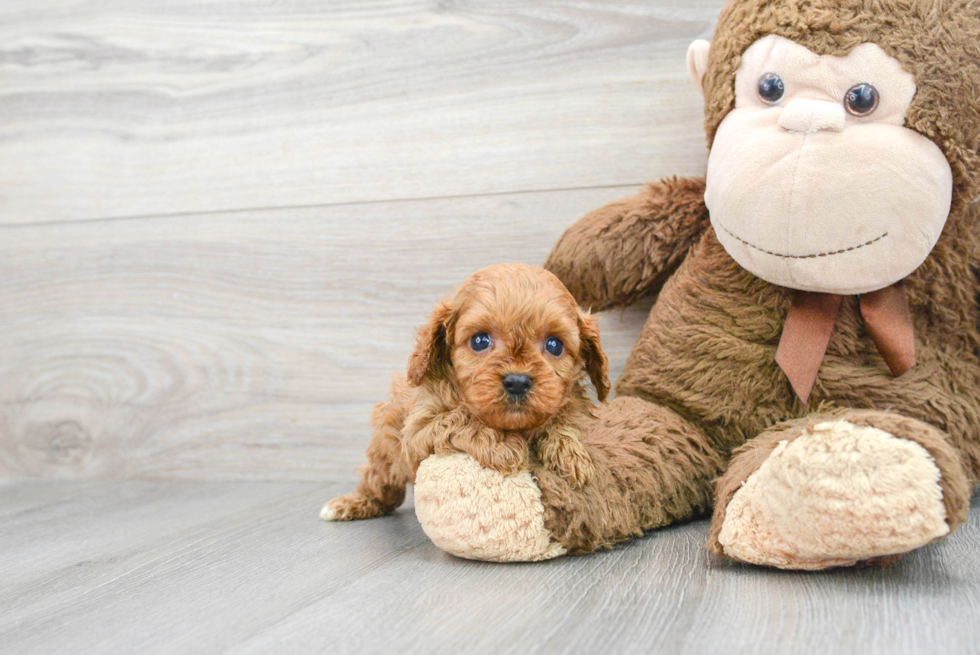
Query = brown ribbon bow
x=810 y=321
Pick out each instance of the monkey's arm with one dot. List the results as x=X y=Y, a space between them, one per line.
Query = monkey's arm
x=627 y=249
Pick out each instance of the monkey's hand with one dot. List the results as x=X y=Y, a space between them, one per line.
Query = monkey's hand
x=562 y=452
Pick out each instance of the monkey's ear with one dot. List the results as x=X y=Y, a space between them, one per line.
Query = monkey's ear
x=595 y=359
x=432 y=344
x=697 y=62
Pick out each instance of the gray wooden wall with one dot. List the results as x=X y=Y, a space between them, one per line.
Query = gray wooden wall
x=221 y=222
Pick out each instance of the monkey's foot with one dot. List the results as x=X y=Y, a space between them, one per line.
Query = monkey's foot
x=836 y=495
x=478 y=513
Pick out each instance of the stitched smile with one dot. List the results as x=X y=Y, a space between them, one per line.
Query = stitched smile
x=813 y=256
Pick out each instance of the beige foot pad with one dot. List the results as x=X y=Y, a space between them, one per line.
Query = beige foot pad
x=480 y=514
x=838 y=494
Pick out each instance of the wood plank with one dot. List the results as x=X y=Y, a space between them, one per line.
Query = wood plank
x=156 y=567
x=246 y=567
x=113 y=108
x=247 y=345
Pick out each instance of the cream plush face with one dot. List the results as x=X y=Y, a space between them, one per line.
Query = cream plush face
x=808 y=195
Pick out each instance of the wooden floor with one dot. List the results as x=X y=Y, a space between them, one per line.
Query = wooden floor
x=246 y=567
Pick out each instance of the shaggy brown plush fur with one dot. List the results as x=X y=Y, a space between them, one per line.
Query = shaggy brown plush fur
x=627 y=249
x=706 y=355
x=453 y=399
x=652 y=468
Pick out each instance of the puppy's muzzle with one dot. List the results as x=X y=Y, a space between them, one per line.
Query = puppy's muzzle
x=517 y=385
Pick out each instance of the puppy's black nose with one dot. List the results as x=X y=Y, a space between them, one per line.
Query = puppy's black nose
x=517 y=384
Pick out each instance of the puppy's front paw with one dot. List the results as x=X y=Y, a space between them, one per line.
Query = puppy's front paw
x=502 y=452
x=503 y=459
x=577 y=467
x=352 y=507
x=568 y=457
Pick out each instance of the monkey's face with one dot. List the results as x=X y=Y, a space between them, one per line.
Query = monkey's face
x=813 y=181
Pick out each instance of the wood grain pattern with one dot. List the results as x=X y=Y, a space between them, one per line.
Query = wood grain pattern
x=244 y=345
x=117 y=108
x=157 y=325
x=246 y=567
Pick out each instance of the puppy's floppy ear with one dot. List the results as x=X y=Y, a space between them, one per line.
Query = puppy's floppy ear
x=595 y=359
x=432 y=344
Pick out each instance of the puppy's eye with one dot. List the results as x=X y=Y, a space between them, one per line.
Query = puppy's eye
x=554 y=346
x=480 y=342
x=771 y=88
x=861 y=100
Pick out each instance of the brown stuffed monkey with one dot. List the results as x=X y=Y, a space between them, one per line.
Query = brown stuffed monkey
x=816 y=323
x=811 y=366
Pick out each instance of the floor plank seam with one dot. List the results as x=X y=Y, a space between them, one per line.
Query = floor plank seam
x=324 y=205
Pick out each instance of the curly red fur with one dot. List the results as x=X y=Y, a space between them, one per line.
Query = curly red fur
x=452 y=399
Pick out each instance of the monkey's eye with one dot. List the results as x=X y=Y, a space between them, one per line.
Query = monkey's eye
x=554 y=346
x=771 y=88
x=861 y=100
x=480 y=342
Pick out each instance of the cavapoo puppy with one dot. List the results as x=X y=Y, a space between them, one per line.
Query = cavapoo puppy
x=497 y=373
